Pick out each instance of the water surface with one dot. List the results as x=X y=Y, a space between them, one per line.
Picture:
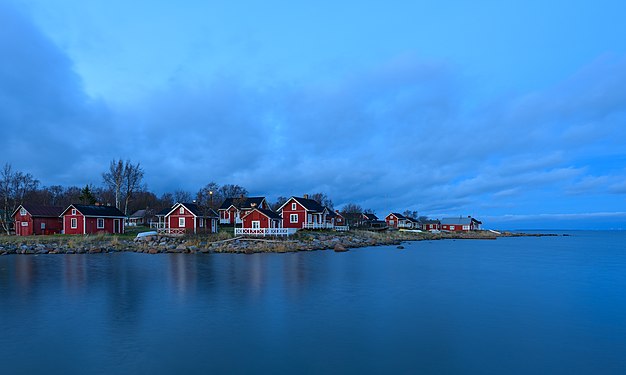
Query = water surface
x=547 y=305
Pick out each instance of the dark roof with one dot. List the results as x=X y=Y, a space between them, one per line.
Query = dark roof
x=429 y=221
x=195 y=209
x=100 y=211
x=41 y=211
x=308 y=204
x=399 y=216
x=370 y=216
x=138 y=214
x=164 y=211
x=459 y=220
x=331 y=213
x=242 y=203
x=269 y=213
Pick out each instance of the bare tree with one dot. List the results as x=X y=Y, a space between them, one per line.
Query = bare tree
x=133 y=176
x=322 y=199
x=352 y=212
x=181 y=196
x=279 y=202
x=233 y=191
x=210 y=196
x=114 y=179
x=14 y=187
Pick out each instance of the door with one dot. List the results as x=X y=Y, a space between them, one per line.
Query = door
x=116 y=226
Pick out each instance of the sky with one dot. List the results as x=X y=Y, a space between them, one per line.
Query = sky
x=513 y=112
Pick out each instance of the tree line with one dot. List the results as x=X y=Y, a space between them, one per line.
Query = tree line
x=123 y=187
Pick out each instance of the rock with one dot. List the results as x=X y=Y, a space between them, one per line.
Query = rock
x=339 y=248
x=181 y=247
x=153 y=251
x=248 y=251
x=400 y=247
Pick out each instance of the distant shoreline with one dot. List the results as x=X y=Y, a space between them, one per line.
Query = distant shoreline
x=197 y=244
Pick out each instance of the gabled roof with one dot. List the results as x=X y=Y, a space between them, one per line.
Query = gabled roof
x=370 y=216
x=459 y=220
x=96 y=211
x=308 y=204
x=399 y=216
x=40 y=211
x=331 y=213
x=242 y=203
x=164 y=211
x=269 y=213
x=138 y=214
x=431 y=221
x=193 y=208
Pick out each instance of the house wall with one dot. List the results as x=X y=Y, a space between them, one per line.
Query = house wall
x=53 y=225
x=173 y=220
x=264 y=221
x=20 y=230
x=392 y=221
x=287 y=212
x=67 y=220
x=456 y=227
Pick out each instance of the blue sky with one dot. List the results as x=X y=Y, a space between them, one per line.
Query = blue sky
x=513 y=112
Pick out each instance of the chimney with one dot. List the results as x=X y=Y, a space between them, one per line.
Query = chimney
x=306 y=196
x=252 y=205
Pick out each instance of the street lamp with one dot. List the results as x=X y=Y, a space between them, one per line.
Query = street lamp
x=211 y=197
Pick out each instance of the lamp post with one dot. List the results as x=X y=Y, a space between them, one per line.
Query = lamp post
x=211 y=197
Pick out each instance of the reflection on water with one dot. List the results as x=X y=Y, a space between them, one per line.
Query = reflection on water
x=529 y=305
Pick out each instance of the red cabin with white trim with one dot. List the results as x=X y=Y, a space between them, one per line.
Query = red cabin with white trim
x=260 y=218
x=86 y=219
x=37 y=220
x=190 y=218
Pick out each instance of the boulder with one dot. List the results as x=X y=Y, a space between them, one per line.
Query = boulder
x=339 y=248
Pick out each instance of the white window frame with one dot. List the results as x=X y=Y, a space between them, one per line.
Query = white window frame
x=181 y=222
x=24 y=223
x=466 y=227
x=293 y=207
x=293 y=218
x=201 y=222
x=43 y=225
x=451 y=227
x=181 y=211
x=98 y=221
x=73 y=211
x=22 y=211
x=256 y=224
x=73 y=223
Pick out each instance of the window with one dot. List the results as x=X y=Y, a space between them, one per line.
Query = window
x=100 y=223
x=22 y=211
x=201 y=222
x=73 y=211
x=256 y=224
x=293 y=218
x=181 y=210
x=465 y=227
x=73 y=223
x=24 y=223
x=391 y=222
x=451 y=227
x=43 y=226
x=181 y=222
x=293 y=207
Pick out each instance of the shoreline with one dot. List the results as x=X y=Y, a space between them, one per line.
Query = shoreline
x=214 y=244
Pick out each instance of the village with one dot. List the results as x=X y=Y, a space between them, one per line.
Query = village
x=247 y=216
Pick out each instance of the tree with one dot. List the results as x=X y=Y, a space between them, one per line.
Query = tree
x=322 y=199
x=233 y=191
x=132 y=178
x=14 y=186
x=352 y=212
x=86 y=196
x=210 y=196
x=181 y=196
x=279 y=202
x=114 y=179
x=410 y=214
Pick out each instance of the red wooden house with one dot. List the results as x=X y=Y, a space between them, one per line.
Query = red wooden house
x=32 y=219
x=339 y=219
x=185 y=218
x=396 y=220
x=460 y=224
x=302 y=213
x=261 y=218
x=233 y=209
x=431 y=225
x=84 y=219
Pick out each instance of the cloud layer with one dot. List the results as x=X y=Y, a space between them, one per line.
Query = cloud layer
x=404 y=133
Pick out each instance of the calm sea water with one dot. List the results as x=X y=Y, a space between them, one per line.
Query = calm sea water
x=549 y=305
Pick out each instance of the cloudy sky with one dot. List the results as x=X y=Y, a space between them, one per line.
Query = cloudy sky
x=511 y=111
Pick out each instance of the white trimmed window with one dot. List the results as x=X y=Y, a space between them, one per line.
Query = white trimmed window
x=201 y=222
x=293 y=218
x=181 y=210
x=73 y=223
x=451 y=227
x=293 y=207
x=181 y=222
x=43 y=226
x=100 y=223
x=22 y=211
x=256 y=224
x=73 y=211
x=24 y=223
x=466 y=227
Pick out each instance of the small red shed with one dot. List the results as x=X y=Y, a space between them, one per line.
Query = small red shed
x=33 y=219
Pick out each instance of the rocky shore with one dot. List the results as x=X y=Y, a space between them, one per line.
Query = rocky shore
x=302 y=241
